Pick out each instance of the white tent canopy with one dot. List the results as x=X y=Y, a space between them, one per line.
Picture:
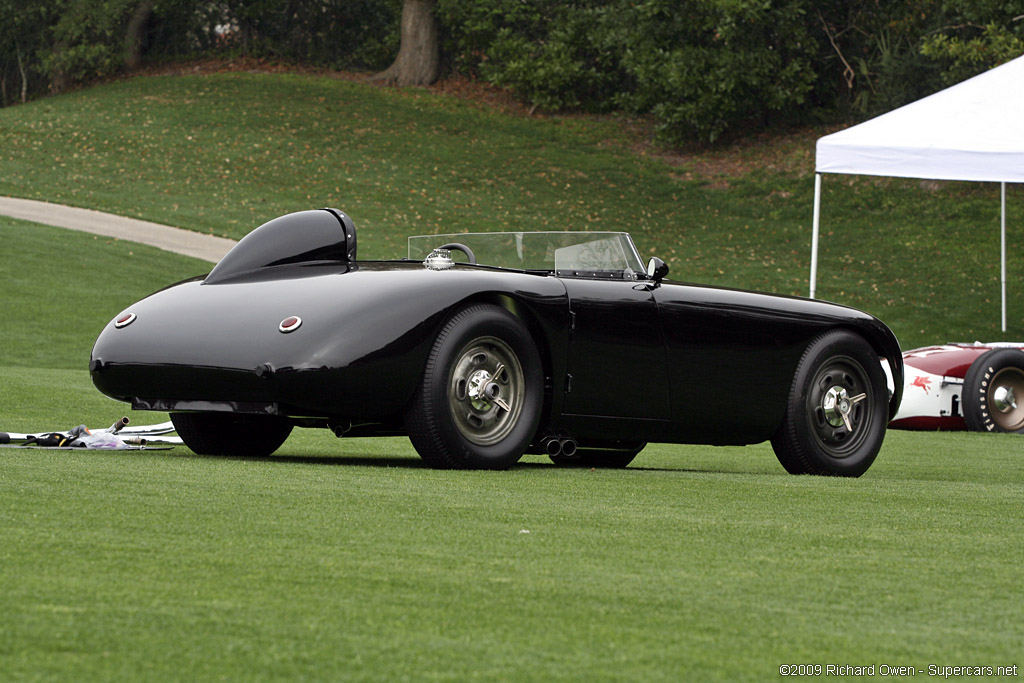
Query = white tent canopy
x=973 y=130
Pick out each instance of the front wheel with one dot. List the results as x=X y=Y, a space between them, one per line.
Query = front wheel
x=231 y=433
x=993 y=392
x=480 y=398
x=837 y=410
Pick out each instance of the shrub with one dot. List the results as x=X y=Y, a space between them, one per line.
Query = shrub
x=699 y=66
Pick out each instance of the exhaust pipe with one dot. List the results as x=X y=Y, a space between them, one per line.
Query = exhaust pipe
x=553 y=446
x=556 y=446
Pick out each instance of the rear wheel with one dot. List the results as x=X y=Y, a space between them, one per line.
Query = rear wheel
x=837 y=410
x=481 y=394
x=993 y=393
x=231 y=433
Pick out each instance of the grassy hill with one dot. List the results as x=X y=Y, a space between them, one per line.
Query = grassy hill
x=223 y=153
x=348 y=559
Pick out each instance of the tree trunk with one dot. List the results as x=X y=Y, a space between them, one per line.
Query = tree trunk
x=418 y=60
x=134 y=34
x=59 y=78
x=24 y=77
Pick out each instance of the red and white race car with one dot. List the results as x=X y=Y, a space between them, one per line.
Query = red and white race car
x=976 y=386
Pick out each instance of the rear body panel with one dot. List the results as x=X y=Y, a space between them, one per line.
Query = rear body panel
x=359 y=351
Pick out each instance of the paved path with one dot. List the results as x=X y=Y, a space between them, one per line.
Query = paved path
x=187 y=242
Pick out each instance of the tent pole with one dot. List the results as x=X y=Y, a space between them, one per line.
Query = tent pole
x=1002 y=232
x=816 y=224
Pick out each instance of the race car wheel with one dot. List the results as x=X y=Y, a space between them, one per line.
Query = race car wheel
x=837 y=410
x=231 y=433
x=993 y=393
x=479 y=401
x=600 y=458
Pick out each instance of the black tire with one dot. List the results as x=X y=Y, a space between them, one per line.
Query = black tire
x=837 y=409
x=601 y=458
x=993 y=393
x=480 y=398
x=231 y=433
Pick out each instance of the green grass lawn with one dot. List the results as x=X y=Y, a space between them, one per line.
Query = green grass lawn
x=350 y=560
x=347 y=559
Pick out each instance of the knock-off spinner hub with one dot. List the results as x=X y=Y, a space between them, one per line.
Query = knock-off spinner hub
x=481 y=390
x=838 y=404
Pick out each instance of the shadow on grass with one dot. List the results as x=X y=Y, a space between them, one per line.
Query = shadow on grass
x=326 y=460
x=413 y=462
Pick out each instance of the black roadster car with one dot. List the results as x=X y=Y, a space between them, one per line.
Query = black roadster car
x=483 y=347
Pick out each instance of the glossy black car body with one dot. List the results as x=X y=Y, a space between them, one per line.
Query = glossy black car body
x=290 y=327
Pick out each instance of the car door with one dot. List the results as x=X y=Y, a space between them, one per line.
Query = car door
x=731 y=358
x=616 y=361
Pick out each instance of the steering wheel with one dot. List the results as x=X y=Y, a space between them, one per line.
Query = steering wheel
x=463 y=248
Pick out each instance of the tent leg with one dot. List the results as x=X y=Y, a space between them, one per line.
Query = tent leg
x=816 y=225
x=1002 y=255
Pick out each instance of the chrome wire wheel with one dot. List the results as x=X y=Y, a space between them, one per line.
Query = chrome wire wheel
x=839 y=406
x=1006 y=399
x=486 y=391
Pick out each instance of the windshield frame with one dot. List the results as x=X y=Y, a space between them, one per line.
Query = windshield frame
x=602 y=254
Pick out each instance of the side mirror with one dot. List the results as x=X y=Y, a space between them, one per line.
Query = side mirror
x=657 y=269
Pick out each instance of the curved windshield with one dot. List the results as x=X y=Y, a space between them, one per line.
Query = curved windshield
x=564 y=253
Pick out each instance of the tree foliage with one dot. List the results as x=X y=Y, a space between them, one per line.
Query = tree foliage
x=86 y=41
x=64 y=42
x=719 y=65
x=333 y=33
x=699 y=66
x=703 y=69
x=977 y=35
x=23 y=31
